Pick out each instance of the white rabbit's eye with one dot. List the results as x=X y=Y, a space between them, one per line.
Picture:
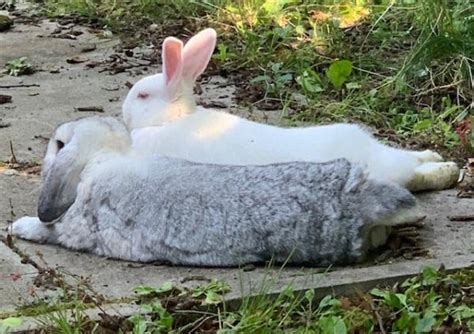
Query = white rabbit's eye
x=143 y=95
x=59 y=144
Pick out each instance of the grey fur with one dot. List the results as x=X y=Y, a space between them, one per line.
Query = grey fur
x=157 y=208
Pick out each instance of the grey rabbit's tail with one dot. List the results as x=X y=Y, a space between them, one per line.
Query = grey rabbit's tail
x=378 y=200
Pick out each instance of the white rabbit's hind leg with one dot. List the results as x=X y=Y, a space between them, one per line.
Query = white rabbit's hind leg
x=392 y=164
x=428 y=156
x=434 y=176
x=31 y=228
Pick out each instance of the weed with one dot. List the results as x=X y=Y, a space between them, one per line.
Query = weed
x=212 y=292
x=338 y=72
x=18 y=67
x=161 y=321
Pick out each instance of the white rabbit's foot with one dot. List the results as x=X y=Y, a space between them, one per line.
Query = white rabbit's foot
x=428 y=156
x=434 y=176
x=31 y=228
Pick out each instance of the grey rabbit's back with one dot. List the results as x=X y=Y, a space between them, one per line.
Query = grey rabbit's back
x=186 y=213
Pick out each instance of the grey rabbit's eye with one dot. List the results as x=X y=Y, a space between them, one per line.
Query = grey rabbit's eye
x=59 y=144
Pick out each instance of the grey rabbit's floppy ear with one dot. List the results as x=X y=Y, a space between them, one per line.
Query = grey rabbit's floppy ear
x=59 y=187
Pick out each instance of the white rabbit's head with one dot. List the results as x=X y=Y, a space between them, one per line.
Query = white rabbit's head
x=168 y=96
x=71 y=147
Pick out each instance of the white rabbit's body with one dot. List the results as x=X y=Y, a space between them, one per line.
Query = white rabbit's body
x=209 y=136
x=160 y=111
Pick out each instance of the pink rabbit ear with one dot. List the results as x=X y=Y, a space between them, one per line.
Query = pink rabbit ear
x=172 y=61
x=197 y=53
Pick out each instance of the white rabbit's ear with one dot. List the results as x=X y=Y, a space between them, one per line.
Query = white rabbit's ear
x=197 y=53
x=172 y=62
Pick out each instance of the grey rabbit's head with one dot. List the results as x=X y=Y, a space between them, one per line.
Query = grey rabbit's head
x=71 y=147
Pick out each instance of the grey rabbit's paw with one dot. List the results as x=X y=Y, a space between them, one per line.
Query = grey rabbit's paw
x=31 y=228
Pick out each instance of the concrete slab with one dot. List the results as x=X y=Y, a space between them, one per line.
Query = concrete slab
x=32 y=118
x=443 y=237
x=15 y=280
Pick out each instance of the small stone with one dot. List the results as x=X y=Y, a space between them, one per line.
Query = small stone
x=5 y=99
x=88 y=48
x=5 y=22
x=10 y=172
x=107 y=34
x=248 y=267
x=77 y=59
x=93 y=64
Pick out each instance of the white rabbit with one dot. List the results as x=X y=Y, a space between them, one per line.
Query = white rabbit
x=101 y=196
x=161 y=113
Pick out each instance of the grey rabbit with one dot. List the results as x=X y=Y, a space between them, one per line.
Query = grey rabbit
x=101 y=196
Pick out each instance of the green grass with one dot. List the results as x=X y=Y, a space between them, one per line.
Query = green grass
x=432 y=301
x=410 y=62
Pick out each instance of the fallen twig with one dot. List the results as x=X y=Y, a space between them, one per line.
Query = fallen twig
x=431 y=90
x=461 y=218
x=111 y=89
x=195 y=278
x=12 y=211
x=19 y=86
x=13 y=157
x=89 y=109
x=214 y=104
x=377 y=315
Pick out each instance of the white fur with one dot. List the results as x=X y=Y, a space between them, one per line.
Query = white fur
x=168 y=122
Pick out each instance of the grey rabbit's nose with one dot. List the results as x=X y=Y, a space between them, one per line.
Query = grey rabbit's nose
x=49 y=214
